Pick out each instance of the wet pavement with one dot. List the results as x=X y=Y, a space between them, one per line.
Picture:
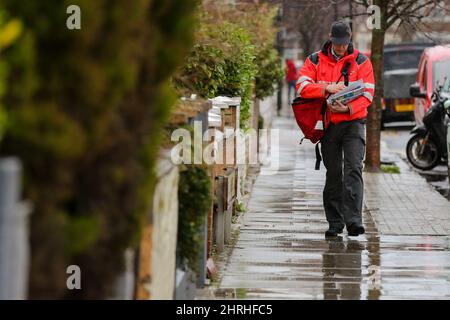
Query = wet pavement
x=394 y=139
x=281 y=251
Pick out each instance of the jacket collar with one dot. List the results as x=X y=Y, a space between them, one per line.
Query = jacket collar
x=326 y=50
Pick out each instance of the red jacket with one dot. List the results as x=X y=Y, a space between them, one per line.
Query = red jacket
x=321 y=69
x=291 y=71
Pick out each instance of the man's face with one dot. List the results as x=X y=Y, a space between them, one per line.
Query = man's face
x=340 y=49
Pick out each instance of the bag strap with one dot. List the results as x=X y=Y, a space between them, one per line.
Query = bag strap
x=344 y=73
x=318 y=156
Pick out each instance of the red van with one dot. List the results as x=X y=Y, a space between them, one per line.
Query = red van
x=434 y=67
x=399 y=73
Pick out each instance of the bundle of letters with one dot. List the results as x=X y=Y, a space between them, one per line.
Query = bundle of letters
x=353 y=91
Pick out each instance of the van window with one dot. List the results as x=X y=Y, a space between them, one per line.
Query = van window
x=402 y=59
x=441 y=70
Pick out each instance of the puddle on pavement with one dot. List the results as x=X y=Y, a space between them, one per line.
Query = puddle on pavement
x=346 y=268
x=371 y=266
x=439 y=182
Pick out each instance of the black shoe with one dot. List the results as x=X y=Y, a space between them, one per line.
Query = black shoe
x=333 y=232
x=355 y=230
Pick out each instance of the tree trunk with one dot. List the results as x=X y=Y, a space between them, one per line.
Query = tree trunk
x=374 y=116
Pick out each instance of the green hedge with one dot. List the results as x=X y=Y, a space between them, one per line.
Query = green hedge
x=221 y=63
x=194 y=203
x=233 y=56
x=10 y=30
x=85 y=111
x=258 y=20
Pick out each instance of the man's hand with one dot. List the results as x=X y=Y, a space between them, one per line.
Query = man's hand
x=335 y=87
x=339 y=108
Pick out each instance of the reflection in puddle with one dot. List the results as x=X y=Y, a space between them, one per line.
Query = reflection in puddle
x=439 y=182
x=341 y=272
x=345 y=276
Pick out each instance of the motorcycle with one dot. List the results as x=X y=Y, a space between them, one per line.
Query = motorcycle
x=428 y=145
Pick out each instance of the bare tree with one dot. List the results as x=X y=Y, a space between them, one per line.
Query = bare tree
x=311 y=20
x=393 y=13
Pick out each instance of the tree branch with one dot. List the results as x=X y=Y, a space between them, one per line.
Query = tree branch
x=408 y=12
x=394 y=8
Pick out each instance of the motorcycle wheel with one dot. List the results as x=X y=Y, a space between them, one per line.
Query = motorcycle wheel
x=430 y=157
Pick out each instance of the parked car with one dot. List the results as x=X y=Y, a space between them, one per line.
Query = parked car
x=400 y=66
x=434 y=67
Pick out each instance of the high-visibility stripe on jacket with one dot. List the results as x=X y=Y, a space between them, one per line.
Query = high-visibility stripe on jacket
x=321 y=69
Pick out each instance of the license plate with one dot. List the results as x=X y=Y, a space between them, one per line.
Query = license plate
x=404 y=107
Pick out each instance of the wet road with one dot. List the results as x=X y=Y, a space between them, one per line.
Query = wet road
x=281 y=252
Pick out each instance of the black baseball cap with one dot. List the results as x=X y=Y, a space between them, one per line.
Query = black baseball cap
x=340 y=33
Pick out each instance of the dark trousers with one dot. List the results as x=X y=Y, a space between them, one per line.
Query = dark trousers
x=343 y=148
x=291 y=91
